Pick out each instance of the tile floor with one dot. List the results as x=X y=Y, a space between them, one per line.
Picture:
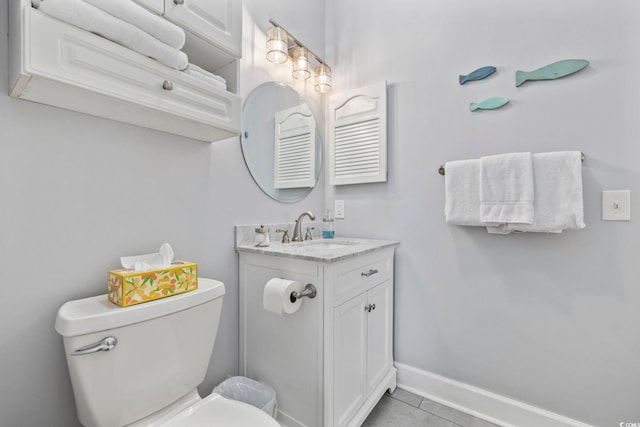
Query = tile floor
x=404 y=409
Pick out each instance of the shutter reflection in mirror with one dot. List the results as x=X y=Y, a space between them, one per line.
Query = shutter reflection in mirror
x=295 y=136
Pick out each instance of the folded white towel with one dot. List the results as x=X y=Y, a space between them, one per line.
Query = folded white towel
x=140 y=17
x=462 y=192
x=89 y=18
x=506 y=189
x=558 y=202
x=204 y=75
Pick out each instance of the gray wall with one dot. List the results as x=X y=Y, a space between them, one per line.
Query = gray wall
x=78 y=191
x=550 y=320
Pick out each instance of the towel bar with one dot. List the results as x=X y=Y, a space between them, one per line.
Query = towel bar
x=441 y=168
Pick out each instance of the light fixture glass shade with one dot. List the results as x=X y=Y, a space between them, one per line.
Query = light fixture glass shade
x=277 y=47
x=301 y=64
x=322 y=78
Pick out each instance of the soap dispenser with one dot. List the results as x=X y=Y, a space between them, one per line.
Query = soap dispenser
x=327 y=225
x=262 y=239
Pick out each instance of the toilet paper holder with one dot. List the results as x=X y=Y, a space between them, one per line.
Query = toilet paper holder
x=309 y=291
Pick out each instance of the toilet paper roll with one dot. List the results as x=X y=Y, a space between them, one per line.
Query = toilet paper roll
x=277 y=296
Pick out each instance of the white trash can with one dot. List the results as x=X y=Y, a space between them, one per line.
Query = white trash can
x=249 y=391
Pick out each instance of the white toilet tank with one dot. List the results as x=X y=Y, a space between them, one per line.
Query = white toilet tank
x=162 y=352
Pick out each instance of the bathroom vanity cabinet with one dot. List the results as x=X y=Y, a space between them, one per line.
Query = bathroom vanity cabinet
x=331 y=361
x=55 y=63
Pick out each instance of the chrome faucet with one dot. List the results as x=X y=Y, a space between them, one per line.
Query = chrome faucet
x=297 y=234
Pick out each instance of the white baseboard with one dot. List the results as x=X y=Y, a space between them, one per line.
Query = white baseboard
x=480 y=403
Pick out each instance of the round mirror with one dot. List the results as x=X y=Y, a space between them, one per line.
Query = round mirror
x=280 y=142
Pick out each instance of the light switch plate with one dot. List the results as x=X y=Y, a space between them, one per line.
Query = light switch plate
x=339 y=209
x=616 y=205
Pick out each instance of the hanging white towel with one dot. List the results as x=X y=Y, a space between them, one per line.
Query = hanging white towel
x=462 y=192
x=506 y=189
x=89 y=18
x=558 y=190
x=140 y=17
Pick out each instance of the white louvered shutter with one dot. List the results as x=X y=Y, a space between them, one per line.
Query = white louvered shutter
x=358 y=128
x=295 y=148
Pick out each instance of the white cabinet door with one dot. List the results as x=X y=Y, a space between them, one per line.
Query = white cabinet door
x=350 y=334
x=379 y=333
x=218 y=22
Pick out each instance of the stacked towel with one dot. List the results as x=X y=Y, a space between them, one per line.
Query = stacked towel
x=557 y=185
x=202 y=74
x=138 y=16
x=90 y=18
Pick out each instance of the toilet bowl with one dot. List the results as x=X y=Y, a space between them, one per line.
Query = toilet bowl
x=139 y=366
x=214 y=410
x=211 y=411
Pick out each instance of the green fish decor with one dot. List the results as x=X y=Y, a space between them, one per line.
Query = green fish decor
x=489 y=104
x=552 y=71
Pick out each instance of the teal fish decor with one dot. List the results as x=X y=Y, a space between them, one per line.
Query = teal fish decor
x=552 y=71
x=479 y=74
x=489 y=104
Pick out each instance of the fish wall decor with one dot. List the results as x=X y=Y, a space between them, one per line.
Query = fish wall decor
x=489 y=104
x=552 y=71
x=479 y=74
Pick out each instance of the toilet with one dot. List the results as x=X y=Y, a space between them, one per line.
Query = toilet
x=139 y=366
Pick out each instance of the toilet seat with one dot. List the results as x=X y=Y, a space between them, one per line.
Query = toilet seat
x=218 y=411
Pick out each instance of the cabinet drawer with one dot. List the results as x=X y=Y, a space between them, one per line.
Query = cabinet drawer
x=360 y=274
x=71 y=56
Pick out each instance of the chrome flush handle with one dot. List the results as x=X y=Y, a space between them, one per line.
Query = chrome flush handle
x=105 y=344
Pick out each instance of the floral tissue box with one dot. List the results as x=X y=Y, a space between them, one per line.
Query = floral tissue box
x=128 y=287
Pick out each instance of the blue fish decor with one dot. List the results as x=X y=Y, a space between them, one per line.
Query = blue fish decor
x=552 y=71
x=479 y=74
x=489 y=104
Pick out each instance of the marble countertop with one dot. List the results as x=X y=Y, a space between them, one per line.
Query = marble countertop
x=320 y=250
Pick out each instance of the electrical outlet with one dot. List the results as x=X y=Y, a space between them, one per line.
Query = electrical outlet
x=339 y=209
x=616 y=205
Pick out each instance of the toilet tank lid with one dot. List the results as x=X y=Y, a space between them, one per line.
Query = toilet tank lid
x=97 y=314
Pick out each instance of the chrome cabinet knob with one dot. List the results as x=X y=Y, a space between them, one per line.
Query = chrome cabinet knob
x=167 y=85
x=178 y=2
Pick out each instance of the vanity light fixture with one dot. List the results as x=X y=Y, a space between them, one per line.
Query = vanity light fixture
x=281 y=45
x=322 y=78
x=277 y=45
x=301 y=63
